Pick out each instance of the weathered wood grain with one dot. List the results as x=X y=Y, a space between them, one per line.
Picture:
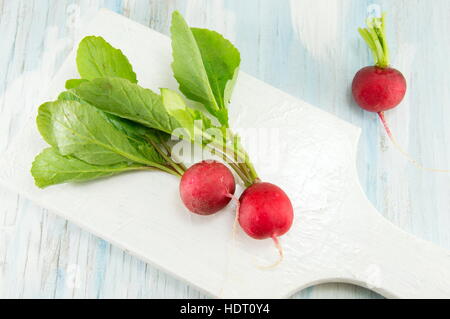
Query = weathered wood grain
x=308 y=48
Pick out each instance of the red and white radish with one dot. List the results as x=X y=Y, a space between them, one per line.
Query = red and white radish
x=380 y=88
x=265 y=211
x=207 y=187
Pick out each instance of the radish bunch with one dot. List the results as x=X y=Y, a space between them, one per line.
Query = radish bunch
x=263 y=210
x=105 y=123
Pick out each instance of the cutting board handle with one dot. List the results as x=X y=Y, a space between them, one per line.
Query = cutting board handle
x=388 y=260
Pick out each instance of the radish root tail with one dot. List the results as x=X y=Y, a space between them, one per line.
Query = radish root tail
x=236 y=218
x=403 y=152
x=274 y=238
x=280 y=252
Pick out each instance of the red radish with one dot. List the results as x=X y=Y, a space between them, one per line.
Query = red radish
x=380 y=88
x=265 y=211
x=207 y=187
x=377 y=89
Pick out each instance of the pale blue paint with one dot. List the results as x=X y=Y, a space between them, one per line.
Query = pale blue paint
x=35 y=254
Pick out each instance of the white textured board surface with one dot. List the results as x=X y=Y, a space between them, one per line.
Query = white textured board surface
x=336 y=236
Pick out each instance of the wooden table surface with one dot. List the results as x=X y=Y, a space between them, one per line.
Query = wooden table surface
x=308 y=48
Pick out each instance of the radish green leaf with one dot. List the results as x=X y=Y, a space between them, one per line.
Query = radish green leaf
x=96 y=58
x=70 y=84
x=205 y=64
x=82 y=131
x=130 y=101
x=51 y=168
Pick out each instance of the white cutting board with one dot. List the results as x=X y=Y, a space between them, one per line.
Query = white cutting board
x=337 y=235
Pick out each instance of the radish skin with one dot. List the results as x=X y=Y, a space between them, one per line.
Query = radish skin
x=265 y=211
x=378 y=89
x=207 y=187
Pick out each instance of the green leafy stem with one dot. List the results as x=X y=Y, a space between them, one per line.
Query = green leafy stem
x=375 y=37
x=237 y=158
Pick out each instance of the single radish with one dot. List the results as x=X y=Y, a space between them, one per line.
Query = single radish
x=207 y=187
x=380 y=88
x=265 y=211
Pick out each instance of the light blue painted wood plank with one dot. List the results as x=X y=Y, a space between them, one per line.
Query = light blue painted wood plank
x=308 y=48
